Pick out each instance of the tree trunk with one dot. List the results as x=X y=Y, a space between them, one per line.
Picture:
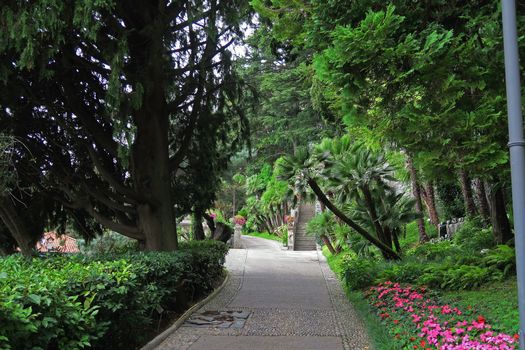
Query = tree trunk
x=150 y=167
x=498 y=214
x=19 y=228
x=387 y=252
x=481 y=195
x=268 y=223
x=198 y=230
x=466 y=190
x=328 y=244
x=395 y=237
x=369 y=202
x=416 y=191
x=429 y=197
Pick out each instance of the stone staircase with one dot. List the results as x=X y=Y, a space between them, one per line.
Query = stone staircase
x=302 y=240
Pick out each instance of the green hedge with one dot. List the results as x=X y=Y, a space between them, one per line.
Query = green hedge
x=100 y=302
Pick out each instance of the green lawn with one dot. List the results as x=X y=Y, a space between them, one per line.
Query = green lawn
x=264 y=235
x=498 y=303
x=410 y=236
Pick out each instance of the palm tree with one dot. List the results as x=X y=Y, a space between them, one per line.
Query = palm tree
x=302 y=171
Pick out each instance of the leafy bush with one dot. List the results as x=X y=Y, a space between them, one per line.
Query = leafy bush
x=471 y=236
x=434 y=251
x=321 y=224
x=358 y=272
x=108 y=243
x=502 y=257
x=406 y=271
x=452 y=277
x=102 y=301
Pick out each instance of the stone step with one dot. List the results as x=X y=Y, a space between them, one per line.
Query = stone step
x=305 y=248
x=308 y=241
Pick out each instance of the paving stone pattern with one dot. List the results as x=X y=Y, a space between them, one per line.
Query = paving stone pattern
x=275 y=300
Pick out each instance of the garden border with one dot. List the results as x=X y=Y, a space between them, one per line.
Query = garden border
x=155 y=342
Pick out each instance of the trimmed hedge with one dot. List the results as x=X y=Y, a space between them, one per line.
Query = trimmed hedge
x=100 y=302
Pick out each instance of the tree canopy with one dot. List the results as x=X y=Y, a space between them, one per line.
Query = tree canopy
x=120 y=105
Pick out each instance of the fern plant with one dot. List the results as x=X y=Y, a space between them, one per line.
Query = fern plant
x=502 y=257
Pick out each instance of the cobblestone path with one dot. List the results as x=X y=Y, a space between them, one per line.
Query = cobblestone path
x=286 y=300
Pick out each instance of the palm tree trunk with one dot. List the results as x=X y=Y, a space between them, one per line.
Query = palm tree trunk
x=395 y=237
x=367 y=195
x=387 y=252
x=328 y=244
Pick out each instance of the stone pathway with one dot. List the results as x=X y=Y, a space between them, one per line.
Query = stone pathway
x=277 y=300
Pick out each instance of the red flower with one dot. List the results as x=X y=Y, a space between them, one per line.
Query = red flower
x=481 y=319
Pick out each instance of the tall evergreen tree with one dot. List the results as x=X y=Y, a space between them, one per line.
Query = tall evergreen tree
x=110 y=99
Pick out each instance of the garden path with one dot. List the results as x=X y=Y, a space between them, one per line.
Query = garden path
x=287 y=300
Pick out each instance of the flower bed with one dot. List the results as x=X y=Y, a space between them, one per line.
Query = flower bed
x=417 y=320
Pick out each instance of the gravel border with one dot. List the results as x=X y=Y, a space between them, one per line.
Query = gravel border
x=347 y=320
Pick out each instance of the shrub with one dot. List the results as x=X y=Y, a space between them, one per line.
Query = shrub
x=321 y=224
x=109 y=243
x=104 y=301
x=472 y=237
x=434 y=251
x=453 y=277
x=358 y=272
x=502 y=257
x=406 y=271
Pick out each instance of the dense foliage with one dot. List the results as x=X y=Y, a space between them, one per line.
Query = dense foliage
x=125 y=114
x=449 y=265
x=422 y=80
x=101 y=301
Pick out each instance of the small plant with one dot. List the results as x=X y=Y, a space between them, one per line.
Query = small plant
x=462 y=277
x=359 y=273
x=432 y=251
x=109 y=243
x=473 y=237
x=406 y=271
x=239 y=220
